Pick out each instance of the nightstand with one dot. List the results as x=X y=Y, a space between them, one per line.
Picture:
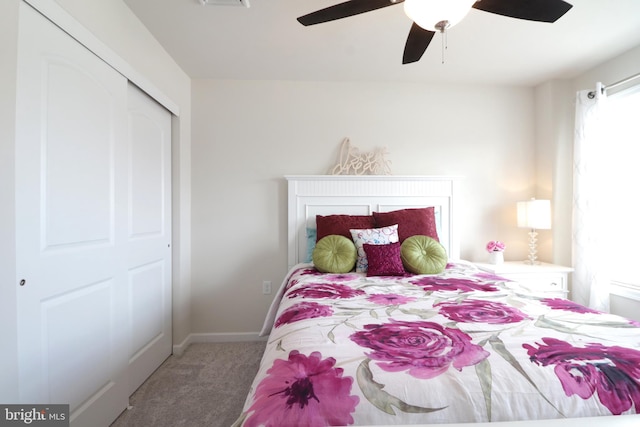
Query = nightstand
x=549 y=279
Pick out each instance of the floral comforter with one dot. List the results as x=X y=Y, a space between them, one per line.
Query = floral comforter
x=462 y=346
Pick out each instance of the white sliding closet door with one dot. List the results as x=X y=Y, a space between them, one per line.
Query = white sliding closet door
x=71 y=224
x=92 y=228
x=149 y=235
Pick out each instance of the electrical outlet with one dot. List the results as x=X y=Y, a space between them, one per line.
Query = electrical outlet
x=266 y=287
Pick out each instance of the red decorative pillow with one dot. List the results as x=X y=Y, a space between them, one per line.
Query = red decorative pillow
x=341 y=224
x=384 y=260
x=411 y=222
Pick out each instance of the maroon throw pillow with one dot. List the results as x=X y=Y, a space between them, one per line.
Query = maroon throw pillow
x=341 y=224
x=384 y=260
x=411 y=222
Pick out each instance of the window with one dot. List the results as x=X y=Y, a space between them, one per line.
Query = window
x=621 y=177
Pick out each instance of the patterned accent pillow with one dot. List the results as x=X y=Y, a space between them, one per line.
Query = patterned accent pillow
x=384 y=260
x=411 y=222
x=372 y=236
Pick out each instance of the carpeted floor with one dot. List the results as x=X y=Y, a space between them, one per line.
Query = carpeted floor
x=206 y=386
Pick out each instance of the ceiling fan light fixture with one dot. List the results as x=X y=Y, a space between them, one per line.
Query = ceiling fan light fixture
x=437 y=15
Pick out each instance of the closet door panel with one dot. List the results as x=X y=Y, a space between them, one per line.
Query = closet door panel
x=149 y=238
x=67 y=353
x=71 y=224
x=78 y=142
x=147 y=135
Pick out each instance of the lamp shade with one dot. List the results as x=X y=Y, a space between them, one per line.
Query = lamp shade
x=429 y=13
x=534 y=214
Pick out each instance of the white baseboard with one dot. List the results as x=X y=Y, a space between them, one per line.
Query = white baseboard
x=178 y=349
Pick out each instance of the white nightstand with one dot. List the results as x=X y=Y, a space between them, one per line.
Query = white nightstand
x=543 y=278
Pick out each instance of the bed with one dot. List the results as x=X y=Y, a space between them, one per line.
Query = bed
x=441 y=343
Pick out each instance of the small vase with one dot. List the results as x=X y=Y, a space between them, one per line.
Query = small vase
x=496 y=258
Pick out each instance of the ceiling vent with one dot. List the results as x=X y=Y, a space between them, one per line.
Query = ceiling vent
x=244 y=3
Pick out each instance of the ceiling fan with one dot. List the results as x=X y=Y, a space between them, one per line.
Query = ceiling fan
x=431 y=16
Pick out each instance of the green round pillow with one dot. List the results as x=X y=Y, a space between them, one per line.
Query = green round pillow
x=423 y=255
x=334 y=254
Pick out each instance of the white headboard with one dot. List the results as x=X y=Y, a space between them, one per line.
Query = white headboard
x=311 y=195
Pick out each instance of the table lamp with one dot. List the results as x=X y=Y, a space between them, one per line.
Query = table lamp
x=534 y=215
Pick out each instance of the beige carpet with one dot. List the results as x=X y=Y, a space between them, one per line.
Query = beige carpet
x=206 y=386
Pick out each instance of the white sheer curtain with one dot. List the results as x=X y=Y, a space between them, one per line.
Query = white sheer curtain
x=590 y=249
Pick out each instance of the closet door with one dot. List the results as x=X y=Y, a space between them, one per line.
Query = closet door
x=71 y=225
x=149 y=235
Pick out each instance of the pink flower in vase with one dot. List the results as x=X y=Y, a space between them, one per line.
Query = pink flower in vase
x=495 y=249
x=495 y=246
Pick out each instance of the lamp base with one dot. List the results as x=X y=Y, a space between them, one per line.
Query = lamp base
x=533 y=248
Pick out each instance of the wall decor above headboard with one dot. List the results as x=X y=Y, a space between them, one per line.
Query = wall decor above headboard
x=351 y=161
x=311 y=195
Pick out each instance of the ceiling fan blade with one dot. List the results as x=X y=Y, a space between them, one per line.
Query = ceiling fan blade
x=344 y=10
x=417 y=42
x=531 y=10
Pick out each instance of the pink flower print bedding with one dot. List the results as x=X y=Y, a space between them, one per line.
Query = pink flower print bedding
x=458 y=347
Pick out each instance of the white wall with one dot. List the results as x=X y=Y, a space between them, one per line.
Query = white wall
x=247 y=135
x=555 y=108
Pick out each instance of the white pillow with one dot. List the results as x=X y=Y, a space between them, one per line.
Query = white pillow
x=372 y=236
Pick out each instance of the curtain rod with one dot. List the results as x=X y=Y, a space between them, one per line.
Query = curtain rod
x=616 y=84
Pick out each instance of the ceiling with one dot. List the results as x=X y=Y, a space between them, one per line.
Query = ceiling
x=265 y=42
